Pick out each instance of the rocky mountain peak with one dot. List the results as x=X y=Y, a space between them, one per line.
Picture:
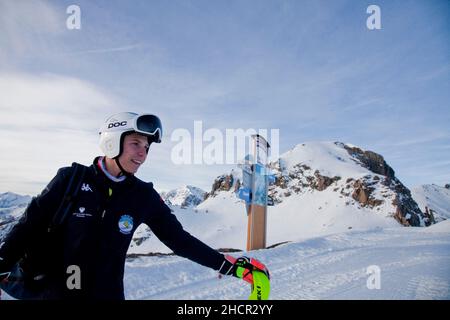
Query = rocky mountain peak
x=374 y=162
x=362 y=177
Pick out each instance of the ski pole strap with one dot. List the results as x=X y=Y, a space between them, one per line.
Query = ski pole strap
x=250 y=270
x=251 y=264
x=245 y=274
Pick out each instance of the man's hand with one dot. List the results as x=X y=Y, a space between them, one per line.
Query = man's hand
x=242 y=267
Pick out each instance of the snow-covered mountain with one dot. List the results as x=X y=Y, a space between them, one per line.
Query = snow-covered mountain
x=11 y=200
x=186 y=196
x=433 y=198
x=12 y=205
x=360 y=177
x=321 y=188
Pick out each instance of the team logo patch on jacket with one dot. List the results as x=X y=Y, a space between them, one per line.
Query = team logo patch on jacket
x=125 y=224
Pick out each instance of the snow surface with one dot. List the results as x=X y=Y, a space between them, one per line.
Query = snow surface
x=414 y=263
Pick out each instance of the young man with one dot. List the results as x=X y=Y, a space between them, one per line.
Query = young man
x=110 y=205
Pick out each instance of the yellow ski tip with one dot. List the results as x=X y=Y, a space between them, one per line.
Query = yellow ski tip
x=261 y=286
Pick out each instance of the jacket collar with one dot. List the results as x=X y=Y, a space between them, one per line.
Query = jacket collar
x=99 y=173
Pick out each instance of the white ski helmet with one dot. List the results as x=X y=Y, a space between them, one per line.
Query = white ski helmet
x=116 y=126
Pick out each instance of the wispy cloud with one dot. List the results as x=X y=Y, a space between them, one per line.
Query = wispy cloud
x=26 y=25
x=47 y=121
x=106 y=50
x=432 y=74
x=49 y=101
x=418 y=140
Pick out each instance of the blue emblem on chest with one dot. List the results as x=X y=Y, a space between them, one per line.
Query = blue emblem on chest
x=125 y=224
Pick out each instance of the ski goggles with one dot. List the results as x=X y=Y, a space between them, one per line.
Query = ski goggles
x=149 y=125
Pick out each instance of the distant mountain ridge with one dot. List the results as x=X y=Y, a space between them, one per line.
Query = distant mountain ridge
x=10 y=199
x=185 y=196
x=12 y=206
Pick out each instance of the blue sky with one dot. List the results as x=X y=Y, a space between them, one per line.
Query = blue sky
x=311 y=69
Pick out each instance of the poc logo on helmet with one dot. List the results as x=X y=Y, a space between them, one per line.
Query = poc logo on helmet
x=117 y=124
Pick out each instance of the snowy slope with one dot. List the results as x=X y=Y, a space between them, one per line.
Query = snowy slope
x=435 y=198
x=414 y=263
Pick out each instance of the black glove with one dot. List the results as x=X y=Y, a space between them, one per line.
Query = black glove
x=242 y=267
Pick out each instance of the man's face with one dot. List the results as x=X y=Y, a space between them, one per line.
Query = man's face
x=134 y=153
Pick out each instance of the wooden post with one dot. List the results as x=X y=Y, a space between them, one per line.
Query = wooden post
x=257 y=210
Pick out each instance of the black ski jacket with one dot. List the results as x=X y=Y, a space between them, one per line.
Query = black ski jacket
x=97 y=233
